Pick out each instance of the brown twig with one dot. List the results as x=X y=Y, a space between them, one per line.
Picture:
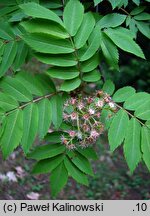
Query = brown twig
x=125 y=11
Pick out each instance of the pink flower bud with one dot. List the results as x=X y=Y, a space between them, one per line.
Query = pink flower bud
x=86 y=116
x=72 y=133
x=71 y=147
x=73 y=116
x=91 y=111
x=80 y=106
x=85 y=127
x=107 y=98
x=89 y=100
x=65 y=116
x=100 y=103
x=94 y=134
x=112 y=105
x=98 y=114
x=73 y=101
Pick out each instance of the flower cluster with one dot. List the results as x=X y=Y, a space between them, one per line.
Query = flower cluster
x=83 y=113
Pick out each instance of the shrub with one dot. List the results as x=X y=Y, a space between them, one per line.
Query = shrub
x=59 y=104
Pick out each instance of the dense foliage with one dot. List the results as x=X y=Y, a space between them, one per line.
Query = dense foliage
x=72 y=39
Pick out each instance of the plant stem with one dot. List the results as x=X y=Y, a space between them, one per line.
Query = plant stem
x=78 y=123
x=125 y=11
x=120 y=107
x=76 y=55
x=32 y=101
x=15 y=39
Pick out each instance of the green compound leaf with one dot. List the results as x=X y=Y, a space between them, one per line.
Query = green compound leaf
x=21 y=55
x=6 y=32
x=30 y=82
x=110 y=51
x=143 y=111
x=70 y=85
x=148 y=123
x=136 y=100
x=12 y=133
x=17 y=16
x=115 y=3
x=45 y=84
x=133 y=28
x=63 y=73
x=1 y=49
x=124 y=41
x=117 y=130
x=73 y=50
x=46 y=151
x=128 y=20
x=59 y=174
x=137 y=2
x=64 y=60
x=143 y=28
x=124 y=3
x=93 y=76
x=106 y=117
x=146 y=146
x=45 y=44
x=96 y=2
x=9 y=53
x=109 y=87
x=45 y=117
x=37 y=11
x=85 y=30
x=123 y=94
x=45 y=27
x=30 y=126
x=81 y=162
x=7 y=102
x=137 y=10
x=142 y=16
x=1 y=120
x=53 y=137
x=132 y=147
x=75 y=173
x=15 y=89
x=89 y=153
x=56 y=109
x=94 y=44
x=54 y=4
x=73 y=16
x=91 y=63
x=47 y=165
x=111 y=20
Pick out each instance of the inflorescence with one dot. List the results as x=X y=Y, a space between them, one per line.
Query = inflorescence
x=83 y=114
